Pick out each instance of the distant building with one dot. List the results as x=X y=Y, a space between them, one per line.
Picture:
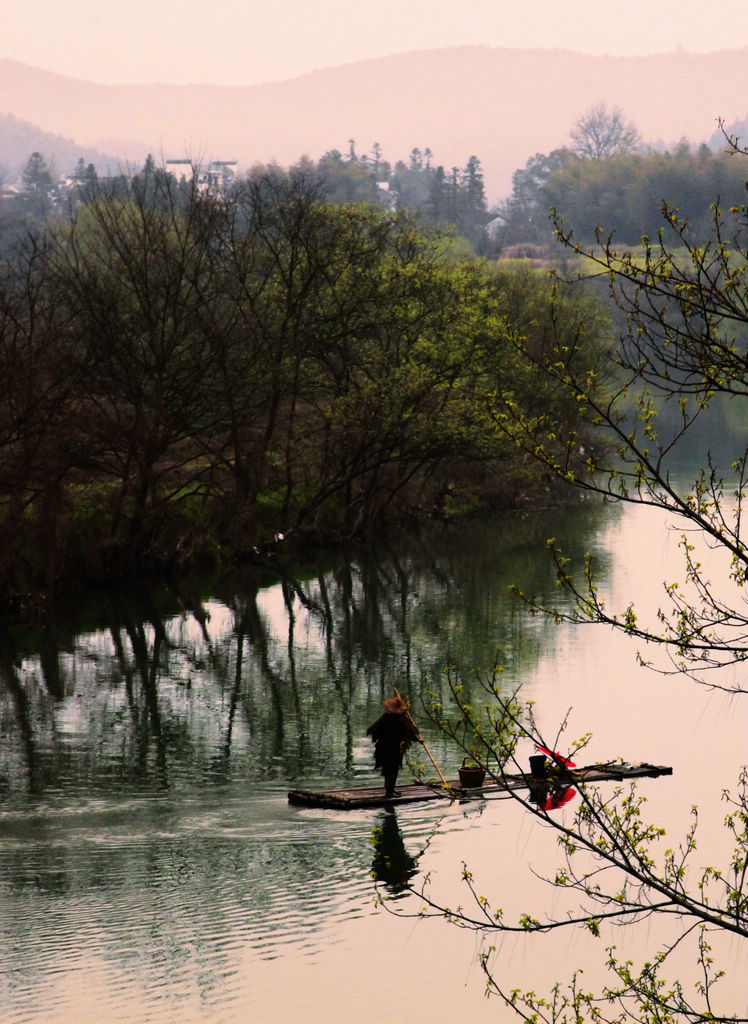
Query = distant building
x=386 y=196
x=10 y=191
x=215 y=176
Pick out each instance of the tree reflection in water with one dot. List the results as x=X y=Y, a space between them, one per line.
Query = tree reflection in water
x=147 y=741
x=270 y=675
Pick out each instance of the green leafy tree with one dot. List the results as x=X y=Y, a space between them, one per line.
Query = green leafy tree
x=37 y=453
x=684 y=343
x=472 y=212
x=626 y=192
x=38 y=184
x=79 y=172
x=265 y=361
x=347 y=181
x=524 y=215
x=133 y=277
x=369 y=352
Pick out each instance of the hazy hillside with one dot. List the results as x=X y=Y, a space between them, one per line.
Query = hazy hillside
x=19 y=139
x=503 y=105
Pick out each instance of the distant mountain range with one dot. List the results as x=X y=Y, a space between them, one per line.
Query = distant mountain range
x=499 y=104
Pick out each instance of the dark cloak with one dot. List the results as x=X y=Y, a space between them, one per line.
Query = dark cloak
x=392 y=733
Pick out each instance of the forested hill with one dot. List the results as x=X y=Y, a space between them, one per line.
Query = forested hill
x=503 y=104
x=19 y=139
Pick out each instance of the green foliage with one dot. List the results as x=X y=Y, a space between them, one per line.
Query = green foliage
x=624 y=192
x=523 y=217
x=685 y=317
x=440 y=197
x=276 y=361
x=612 y=859
x=38 y=185
x=486 y=733
x=685 y=311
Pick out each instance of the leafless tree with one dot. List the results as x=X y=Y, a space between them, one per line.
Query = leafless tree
x=601 y=133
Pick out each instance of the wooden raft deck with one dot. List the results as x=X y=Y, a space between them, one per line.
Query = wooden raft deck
x=348 y=799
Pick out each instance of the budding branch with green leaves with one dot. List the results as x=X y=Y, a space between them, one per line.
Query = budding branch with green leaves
x=682 y=312
x=612 y=860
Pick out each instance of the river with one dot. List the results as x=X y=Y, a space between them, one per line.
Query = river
x=151 y=868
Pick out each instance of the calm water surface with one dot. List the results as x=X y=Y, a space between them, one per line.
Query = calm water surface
x=151 y=868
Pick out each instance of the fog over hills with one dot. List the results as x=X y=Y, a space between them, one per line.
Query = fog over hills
x=18 y=139
x=502 y=105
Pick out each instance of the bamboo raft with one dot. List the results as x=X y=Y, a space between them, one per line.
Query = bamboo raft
x=349 y=799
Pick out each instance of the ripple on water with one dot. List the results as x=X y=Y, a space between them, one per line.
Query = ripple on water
x=140 y=909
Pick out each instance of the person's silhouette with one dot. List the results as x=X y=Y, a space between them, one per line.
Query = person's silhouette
x=392 y=864
x=392 y=733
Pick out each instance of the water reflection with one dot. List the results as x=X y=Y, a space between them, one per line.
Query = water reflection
x=265 y=678
x=548 y=797
x=550 y=784
x=147 y=742
x=151 y=869
x=392 y=864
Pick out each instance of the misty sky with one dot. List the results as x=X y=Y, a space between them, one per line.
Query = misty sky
x=242 y=42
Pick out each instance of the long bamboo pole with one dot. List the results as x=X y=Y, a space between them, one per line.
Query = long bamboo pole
x=423 y=741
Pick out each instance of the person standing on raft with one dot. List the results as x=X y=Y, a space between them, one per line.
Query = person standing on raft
x=392 y=734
